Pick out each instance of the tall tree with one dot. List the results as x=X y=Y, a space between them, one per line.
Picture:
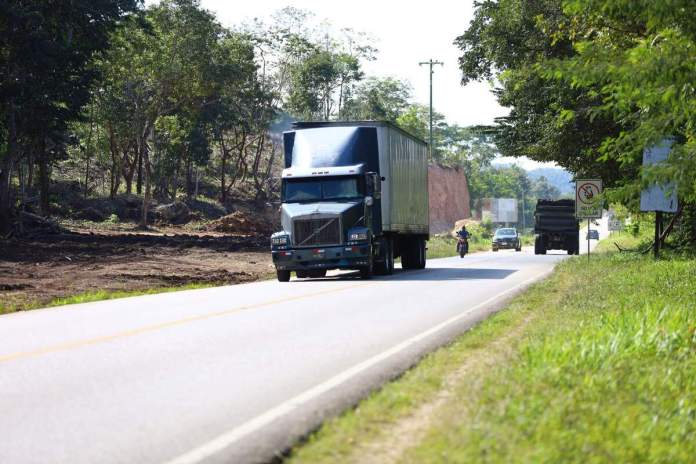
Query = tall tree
x=509 y=40
x=45 y=53
x=641 y=60
x=378 y=99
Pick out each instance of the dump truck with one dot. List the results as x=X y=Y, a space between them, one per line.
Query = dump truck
x=354 y=195
x=555 y=227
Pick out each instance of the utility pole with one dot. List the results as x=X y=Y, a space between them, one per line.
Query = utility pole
x=430 y=63
x=524 y=219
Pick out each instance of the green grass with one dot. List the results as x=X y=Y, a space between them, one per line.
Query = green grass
x=606 y=372
x=99 y=295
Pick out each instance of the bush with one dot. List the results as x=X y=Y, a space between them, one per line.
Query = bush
x=480 y=231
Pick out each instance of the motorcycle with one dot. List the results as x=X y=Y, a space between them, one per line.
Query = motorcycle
x=462 y=246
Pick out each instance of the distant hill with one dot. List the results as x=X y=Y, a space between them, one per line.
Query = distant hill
x=559 y=178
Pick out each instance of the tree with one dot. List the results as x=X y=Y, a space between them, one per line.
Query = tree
x=310 y=70
x=591 y=84
x=46 y=50
x=511 y=40
x=641 y=61
x=542 y=188
x=384 y=99
x=175 y=81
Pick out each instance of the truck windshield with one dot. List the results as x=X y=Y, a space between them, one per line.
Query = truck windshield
x=336 y=188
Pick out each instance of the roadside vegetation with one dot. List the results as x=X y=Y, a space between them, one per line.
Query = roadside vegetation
x=160 y=104
x=160 y=121
x=594 y=364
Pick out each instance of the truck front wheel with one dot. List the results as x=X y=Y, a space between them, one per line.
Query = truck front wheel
x=366 y=272
x=283 y=276
x=387 y=266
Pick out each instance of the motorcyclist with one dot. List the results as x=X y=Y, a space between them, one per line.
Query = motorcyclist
x=463 y=235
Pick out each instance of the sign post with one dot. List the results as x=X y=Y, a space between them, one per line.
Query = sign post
x=588 y=204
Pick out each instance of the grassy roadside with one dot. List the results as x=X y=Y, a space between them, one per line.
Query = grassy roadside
x=596 y=364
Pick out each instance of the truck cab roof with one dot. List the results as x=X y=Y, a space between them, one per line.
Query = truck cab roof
x=298 y=125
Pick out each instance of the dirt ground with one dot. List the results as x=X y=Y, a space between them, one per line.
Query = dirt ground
x=38 y=270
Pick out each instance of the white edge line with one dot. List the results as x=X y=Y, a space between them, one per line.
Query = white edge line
x=230 y=437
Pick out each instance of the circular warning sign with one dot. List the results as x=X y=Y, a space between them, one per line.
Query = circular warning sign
x=587 y=198
x=588 y=193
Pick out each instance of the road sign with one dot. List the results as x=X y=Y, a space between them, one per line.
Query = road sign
x=614 y=223
x=500 y=209
x=588 y=202
x=658 y=197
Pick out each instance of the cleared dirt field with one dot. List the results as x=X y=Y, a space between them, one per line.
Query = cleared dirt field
x=37 y=271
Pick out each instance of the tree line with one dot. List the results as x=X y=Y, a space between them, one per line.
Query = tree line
x=153 y=101
x=591 y=84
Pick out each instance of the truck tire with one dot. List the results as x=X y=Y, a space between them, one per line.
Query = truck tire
x=539 y=246
x=406 y=254
x=420 y=264
x=413 y=256
x=283 y=276
x=302 y=274
x=390 y=258
x=316 y=273
x=366 y=272
x=386 y=267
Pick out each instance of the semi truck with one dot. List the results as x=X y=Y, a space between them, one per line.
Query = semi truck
x=354 y=195
x=555 y=227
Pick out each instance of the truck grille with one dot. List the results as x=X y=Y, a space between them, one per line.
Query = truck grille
x=313 y=232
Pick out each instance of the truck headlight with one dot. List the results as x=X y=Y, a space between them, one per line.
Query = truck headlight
x=358 y=237
x=281 y=240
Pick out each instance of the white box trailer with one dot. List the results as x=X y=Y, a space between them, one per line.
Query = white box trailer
x=403 y=163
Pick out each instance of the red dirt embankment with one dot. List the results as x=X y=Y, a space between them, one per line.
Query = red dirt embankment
x=449 y=198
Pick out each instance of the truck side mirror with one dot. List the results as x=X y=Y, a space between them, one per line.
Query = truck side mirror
x=374 y=184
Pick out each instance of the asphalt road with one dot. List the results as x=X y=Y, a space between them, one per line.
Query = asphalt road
x=229 y=374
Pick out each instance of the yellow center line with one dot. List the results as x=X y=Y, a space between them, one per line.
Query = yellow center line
x=164 y=325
